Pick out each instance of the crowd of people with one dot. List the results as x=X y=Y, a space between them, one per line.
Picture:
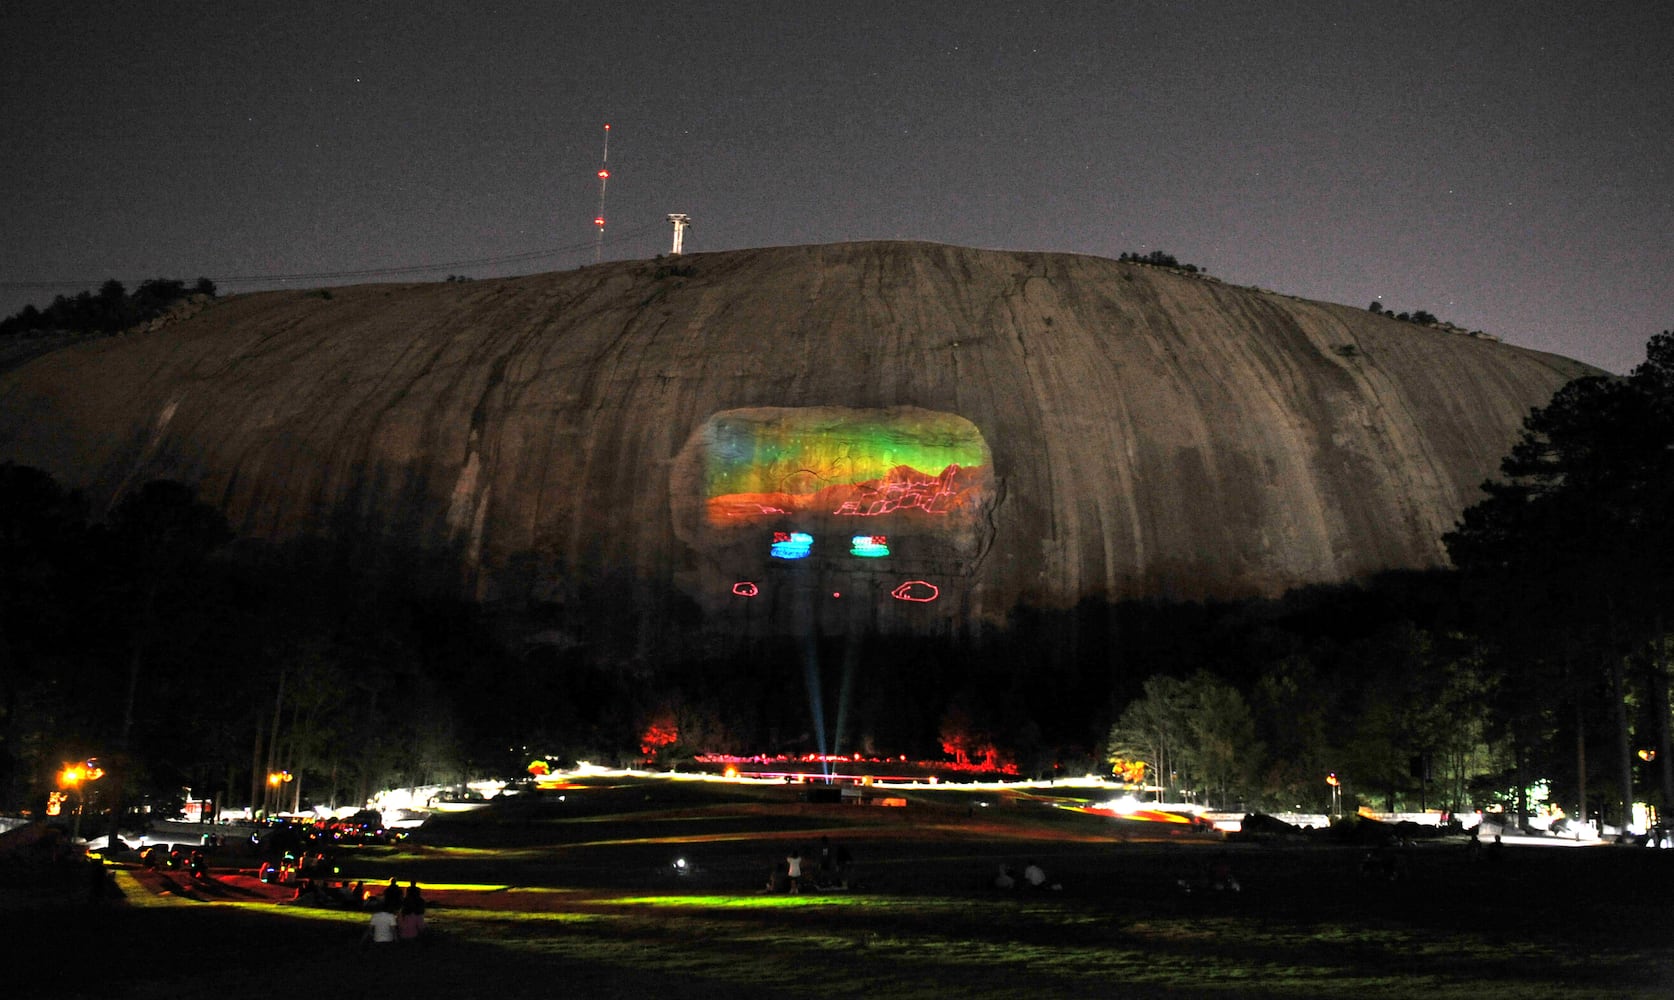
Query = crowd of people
x=1033 y=876
x=829 y=867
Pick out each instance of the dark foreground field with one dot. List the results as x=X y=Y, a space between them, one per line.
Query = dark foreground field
x=578 y=897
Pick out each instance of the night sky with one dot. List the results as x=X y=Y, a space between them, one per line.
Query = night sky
x=1504 y=166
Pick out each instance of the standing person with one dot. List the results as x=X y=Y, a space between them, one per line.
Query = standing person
x=392 y=897
x=97 y=881
x=411 y=923
x=793 y=865
x=845 y=863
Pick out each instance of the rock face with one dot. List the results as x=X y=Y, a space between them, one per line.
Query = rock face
x=891 y=436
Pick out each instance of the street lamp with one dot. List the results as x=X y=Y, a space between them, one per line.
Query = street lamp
x=274 y=780
x=1336 y=795
x=72 y=779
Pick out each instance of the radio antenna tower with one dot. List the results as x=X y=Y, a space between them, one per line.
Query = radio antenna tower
x=681 y=221
x=604 y=176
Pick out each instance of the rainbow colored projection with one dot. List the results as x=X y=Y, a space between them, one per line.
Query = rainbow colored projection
x=830 y=462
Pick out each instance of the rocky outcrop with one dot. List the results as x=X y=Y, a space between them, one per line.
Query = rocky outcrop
x=871 y=435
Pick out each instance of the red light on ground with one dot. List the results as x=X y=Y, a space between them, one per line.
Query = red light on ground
x=604 y=173
x=599 y=221
x=607 y=128
x=745 y=588
x=836 y=593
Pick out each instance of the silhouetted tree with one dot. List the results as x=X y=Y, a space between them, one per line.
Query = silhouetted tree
x=1571 y=556
x=43 y=570
x=110 y=311
x=1195 y=734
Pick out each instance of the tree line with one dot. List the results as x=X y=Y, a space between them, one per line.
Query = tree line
x=1570 y=563
x=1535 y=672
x=109 y=310
x=1157 y=258
x=183 y=657
x=1419 y=316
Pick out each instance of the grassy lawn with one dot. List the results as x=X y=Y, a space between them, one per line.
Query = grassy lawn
x=577 y=897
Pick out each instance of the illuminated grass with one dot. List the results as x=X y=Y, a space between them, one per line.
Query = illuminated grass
x=892 y=948
x=599 y=912
x=771 y=902
x=1169 y=955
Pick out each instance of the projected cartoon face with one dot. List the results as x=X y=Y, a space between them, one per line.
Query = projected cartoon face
x=835 y=506
x=825 y=463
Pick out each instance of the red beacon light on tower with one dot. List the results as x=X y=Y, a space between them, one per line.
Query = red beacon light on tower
x=604 y=178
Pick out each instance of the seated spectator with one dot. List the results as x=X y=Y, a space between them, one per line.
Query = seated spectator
x=382 y=928
x=411 y=923
x=1004 y=879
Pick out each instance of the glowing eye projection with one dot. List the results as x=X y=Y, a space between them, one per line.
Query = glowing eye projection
x=916 y=591
x=745 y=588
x=791 y=544
x=869 y=546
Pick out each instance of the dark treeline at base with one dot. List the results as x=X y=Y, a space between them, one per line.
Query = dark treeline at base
x=158 y=642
